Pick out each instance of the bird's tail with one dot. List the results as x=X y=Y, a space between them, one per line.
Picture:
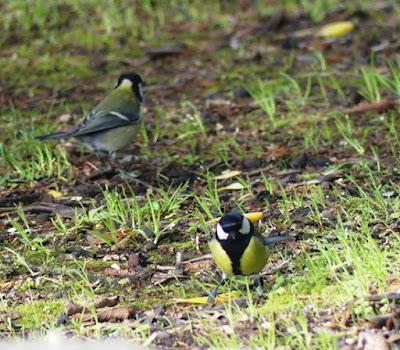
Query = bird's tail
x=275 y=239
x=54 y=136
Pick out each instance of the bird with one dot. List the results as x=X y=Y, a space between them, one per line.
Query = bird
x=238 y=249
x=113 y=122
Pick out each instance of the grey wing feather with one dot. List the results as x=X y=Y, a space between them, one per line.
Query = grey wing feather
x=105 y=121
x=58 y=135
x=115 y=110
x=275 y=239
x=118 y=109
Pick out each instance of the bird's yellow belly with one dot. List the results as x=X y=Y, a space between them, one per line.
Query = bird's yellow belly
x=252 y=261
x=220 y=256
x=254 y=257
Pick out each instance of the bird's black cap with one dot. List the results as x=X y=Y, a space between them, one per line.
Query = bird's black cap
x=136 y=80
x=232 y=221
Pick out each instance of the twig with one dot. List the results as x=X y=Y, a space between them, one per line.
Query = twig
x=199 y=258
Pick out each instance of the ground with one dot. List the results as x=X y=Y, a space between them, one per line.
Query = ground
x=301 y=120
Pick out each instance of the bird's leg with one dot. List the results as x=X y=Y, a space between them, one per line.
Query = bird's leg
x=214 y=291
x=124 y=175
x=103 y=170
x=259 y=282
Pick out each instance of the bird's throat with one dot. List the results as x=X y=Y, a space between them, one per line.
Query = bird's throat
x=235 y=249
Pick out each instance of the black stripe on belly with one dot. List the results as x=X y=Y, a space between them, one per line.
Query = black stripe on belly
x=235 y=249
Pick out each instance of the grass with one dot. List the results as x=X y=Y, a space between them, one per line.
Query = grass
x=196 y=127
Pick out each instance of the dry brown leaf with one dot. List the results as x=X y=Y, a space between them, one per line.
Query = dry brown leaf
x=74 y=308
x=369 y=340
x=54 y=208
x=119 y=273
x=199 y=265
x=278 y=152
x=5 y=316
x=386 y=320
x=106 y=301
x=160 y=278
x=366 y=106
x=114 y=314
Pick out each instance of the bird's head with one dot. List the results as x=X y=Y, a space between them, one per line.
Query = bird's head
x=134 y=81
x=234 y=226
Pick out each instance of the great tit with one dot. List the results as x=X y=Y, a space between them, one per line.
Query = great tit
x=113 y=123
x=238 y=249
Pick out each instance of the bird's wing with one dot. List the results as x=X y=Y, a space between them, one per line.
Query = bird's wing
x=119 y=108
x=108 y=120
x=271 y=240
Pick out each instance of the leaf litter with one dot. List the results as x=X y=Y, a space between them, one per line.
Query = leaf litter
x=176 y=70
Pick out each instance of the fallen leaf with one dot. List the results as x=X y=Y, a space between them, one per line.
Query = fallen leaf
x=232 y=187
x=55 y=194
x=325 y=178
x=54 y=208
x=388 y=320
x=114 y=314
x=24 y=198
x=394 y=338
x=199 y=265
x=106 y=301
x=221 y=298
x=335 y=29
x=227 y=174
x=123 y=273
x=133 y=260
x=366 y=106
x=160 y=278
x=278 y=152
x=369 y=340
x=252 y=216
x=6 y=316
x=394 y=296
x=74 y=308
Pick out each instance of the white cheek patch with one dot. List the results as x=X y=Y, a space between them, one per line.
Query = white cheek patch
x=245 y=229
x=221 y=234
x=126 y=82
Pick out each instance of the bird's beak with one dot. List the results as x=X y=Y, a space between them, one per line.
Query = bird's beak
x=254 y=217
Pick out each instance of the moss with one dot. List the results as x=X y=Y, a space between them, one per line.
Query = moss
x=39 y=314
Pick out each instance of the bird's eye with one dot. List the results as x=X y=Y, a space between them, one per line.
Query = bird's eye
x=245 y=229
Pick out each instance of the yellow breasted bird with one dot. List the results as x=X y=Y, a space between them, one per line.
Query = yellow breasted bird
x=114 y=122
x=238 y=249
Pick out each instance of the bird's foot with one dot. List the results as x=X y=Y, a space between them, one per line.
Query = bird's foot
x=259 y=284
x=124 y=175
x=214 y=292
x=213 y=295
